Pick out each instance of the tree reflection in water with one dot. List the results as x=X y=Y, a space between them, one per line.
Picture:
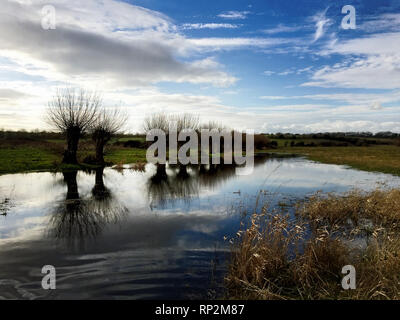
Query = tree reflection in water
x=184 y=182
x=163 y=188
x=75 y=219
x=5 y=206
x=6 y=203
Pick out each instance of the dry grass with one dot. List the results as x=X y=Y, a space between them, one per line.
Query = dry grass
x=380 y=208
x=280 y=257
x=140 y=167
x=119 y=167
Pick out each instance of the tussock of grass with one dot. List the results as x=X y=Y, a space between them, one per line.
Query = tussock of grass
x=279 y=257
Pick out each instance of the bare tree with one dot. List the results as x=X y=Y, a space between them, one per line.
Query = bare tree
x=108 y=123
x=156 y=121
x=186 y=121
x=72 y=113
x=166 y=123
x=210 y=125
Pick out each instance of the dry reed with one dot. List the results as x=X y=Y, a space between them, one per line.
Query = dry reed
x=278 y=255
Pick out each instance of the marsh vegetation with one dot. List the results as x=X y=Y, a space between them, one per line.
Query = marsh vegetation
x=284 y=255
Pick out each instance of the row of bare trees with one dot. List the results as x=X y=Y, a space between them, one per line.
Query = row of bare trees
x=78 y=112
x=178 y=123
x=188 y=121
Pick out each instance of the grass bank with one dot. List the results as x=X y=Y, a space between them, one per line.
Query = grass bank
x=26 y=156
x=21 y=159
x=380 y=158
x=276 y=256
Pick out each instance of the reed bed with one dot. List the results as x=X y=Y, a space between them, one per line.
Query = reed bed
x=281 y=255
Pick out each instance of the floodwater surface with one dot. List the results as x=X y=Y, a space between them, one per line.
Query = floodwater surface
x=135 y=235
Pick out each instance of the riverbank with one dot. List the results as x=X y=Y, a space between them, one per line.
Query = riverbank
x=30 y=156
x=380 y=158
x=276 y=257
x=47 y=157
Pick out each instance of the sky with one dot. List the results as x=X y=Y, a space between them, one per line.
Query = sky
x=270 y=66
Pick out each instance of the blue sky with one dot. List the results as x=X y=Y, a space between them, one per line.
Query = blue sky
x=272 y=66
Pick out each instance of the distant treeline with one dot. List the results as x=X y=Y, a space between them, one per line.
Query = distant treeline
x=261 y=140
x=42 y=135
x=334 y=135
x=337 y=139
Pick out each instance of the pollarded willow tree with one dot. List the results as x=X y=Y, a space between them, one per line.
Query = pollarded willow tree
x=108 y=123
x=169 y=123
x=73 y=112
x=159 y=121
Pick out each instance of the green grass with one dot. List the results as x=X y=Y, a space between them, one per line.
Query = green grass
x=126 y=155
x=26 y=158
x=47 y=155
x=281 y=142
x=384 y=159
x=138 y=138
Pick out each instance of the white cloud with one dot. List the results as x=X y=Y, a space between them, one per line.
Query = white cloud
x=11 y=96
x=234 y=15
x=285 y=117
x=376 y=106
x=321 y=21
x=273 y=97
x=304 y=70
x=385 y=22
x=216 y=44
x=269 y=73
x=351 y=98
x=111 y=44
x=372 y=62
x=232 y=42
x=107 y=43
x=286 y=72
x=282 y=29
x=210 y=26
x=144 y=101
x=337 y=126
x=377 y=44
x=124 y=50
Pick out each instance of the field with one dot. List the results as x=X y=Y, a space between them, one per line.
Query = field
x=37 y=153
x=24 y=156
x=381 y=158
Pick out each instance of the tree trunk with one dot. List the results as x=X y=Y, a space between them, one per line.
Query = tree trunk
x=99 y=186
x=183 y=171
x=99 y=191
x=72 y=185
x=73 y=136
x=100 y=151
x=161 y=170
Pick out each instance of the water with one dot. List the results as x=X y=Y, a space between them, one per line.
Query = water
x=129 y=235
